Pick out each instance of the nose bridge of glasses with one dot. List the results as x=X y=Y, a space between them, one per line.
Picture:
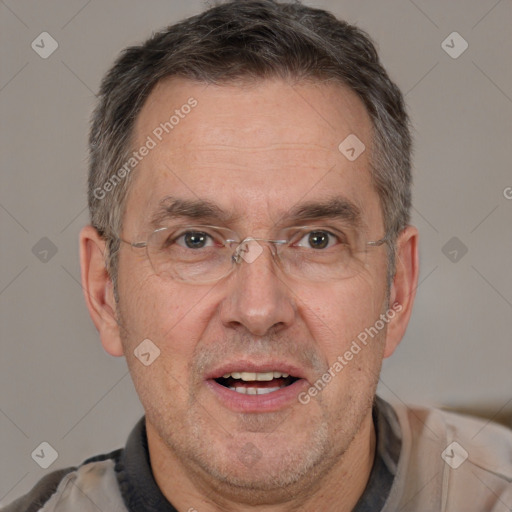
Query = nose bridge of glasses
x=250 y=248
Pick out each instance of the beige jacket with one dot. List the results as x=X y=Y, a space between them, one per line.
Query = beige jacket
x=447 y=463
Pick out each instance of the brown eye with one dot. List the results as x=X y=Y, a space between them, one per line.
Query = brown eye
x=318 y=239
x=194 y=240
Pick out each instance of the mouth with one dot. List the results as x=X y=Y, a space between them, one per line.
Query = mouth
x=246 y=387
x=256 y=383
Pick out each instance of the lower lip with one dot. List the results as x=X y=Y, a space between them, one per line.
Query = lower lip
x=269 y=402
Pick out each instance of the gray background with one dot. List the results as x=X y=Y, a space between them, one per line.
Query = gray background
x=56 y=383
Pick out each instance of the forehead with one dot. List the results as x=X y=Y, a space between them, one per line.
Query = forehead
x=256 y=150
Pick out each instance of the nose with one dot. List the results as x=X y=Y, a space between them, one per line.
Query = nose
x=257 y=296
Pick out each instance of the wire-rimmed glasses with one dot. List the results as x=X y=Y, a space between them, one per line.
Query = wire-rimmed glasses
x=205 y=254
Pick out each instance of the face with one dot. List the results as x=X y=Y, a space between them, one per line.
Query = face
x=258 y=154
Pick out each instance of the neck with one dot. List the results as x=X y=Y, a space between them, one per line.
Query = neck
x=336 y=490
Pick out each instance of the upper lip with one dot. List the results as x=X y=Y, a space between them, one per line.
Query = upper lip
x=244 y=365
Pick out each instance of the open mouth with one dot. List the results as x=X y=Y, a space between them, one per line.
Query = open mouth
x=253 y=383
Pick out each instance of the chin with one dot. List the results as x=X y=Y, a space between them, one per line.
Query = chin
x=262 y=464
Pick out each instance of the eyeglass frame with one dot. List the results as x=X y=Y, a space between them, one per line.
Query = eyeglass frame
x=235 y=257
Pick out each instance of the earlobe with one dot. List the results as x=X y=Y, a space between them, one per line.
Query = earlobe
x=403 y=287
x=98 y=290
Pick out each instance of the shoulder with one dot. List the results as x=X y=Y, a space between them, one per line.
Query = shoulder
x=489 y=445
x=483 y=443
x=464 y=463
x=73 y=487
x=40 y=493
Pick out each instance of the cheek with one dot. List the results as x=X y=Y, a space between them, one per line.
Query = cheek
x=336 y=315
x=171 y=315
x=172 y=319
x=340 y=326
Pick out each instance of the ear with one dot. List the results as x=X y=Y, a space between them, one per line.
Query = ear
x=99 y=290
x=403 y=287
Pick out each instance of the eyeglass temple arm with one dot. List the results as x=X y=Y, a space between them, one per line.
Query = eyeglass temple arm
x=376 y=243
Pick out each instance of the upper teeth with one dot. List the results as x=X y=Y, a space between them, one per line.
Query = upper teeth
x=251 y=376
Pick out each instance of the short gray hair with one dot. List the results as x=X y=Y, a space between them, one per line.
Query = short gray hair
x=240 y=41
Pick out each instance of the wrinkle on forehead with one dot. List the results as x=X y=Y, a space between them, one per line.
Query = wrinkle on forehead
x=275 y=146
x=269 y=159
x=253 y=149
x=331 y=111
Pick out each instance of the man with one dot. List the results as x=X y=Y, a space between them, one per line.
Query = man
x=250 y=255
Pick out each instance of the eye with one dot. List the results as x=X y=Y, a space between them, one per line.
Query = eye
x=194 y=240
x=318 y=239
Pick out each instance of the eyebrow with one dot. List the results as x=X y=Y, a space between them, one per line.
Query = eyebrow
x=175 y=208
x=203 y=210
x=334 y=208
